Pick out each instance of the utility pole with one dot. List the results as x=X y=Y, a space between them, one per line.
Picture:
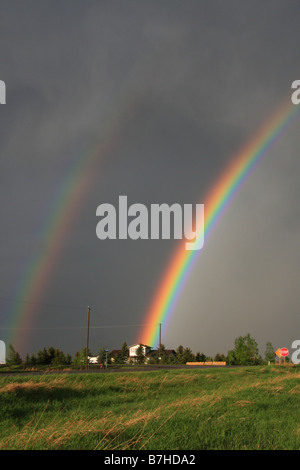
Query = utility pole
x=159 y=340
x=87 y=340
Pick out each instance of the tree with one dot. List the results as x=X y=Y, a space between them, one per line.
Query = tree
x=80 y=357
x=231 y=359
x=140 y=356
x=184 y=355
x=162 y=354
x=188 y=356
x=245 y=351
x=27 y=360
x=220 y=358
x=51 y=354
x=270 y=352
x=13 y=357
x=59 y=358
x=32 y=360
x=179 y=354
x=200 y=357
x=68 y=359
x=77 y=358
x=102 y=355
x=124 y=353
x=118 y=358
x=43 y=357
x=171 y=359
x=153 y=359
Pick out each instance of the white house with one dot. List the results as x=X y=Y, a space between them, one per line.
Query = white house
x=93 y=359
x=133 y=350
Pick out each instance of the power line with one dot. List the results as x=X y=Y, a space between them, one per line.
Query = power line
x=7 y=299
x=73 y=327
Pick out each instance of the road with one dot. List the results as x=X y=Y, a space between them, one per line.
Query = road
x=147 y=368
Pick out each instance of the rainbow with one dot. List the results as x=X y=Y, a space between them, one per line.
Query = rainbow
x=38 y=273
x=71 y=193
x=217 y=201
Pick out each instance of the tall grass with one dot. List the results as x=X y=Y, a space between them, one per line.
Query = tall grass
x=242 y=408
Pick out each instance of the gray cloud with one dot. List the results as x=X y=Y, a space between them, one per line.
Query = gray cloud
x=171 y=92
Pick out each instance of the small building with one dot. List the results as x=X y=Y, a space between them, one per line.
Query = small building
x=115 y=354
x=93 y=359
x=155 y=353
x=133 y=351
x=169 y=352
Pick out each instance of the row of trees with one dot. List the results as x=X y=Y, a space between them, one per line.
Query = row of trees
x=44 y=356
x=245 y=352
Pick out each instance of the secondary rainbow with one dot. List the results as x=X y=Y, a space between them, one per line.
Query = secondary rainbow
x=216 y=203
x=71 y=194
x=38 y=272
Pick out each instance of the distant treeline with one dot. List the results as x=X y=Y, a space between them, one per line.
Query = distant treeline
x=245 y=352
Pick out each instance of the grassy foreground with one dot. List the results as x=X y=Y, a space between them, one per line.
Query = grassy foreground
x=242 y=408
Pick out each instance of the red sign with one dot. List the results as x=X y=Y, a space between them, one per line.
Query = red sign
x=284 y=352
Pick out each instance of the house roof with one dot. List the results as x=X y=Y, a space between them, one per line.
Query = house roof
x=169 y=351
x=156 y=351
x=114 y=352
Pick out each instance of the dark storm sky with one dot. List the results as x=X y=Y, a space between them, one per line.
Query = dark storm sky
x=180 y=86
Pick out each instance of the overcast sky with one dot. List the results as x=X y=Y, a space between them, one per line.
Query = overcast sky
x=156 y=97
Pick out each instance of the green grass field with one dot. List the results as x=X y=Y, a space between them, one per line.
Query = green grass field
x=222 y=408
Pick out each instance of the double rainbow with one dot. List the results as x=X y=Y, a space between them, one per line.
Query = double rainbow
x=59 y=220
x=72 y=194
x=219 y=198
